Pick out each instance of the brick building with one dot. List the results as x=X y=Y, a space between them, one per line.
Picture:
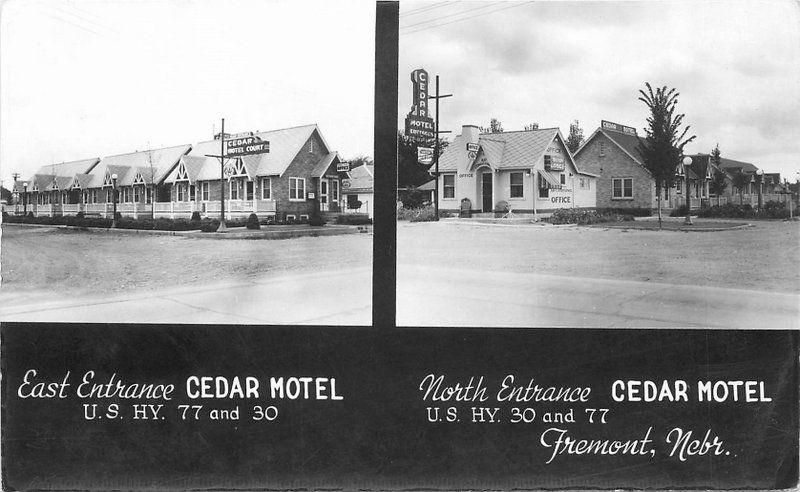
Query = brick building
x=298 y=173
x=528 y=172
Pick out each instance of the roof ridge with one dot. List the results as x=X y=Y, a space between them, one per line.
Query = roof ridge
x=520 y=131
x=144 y=151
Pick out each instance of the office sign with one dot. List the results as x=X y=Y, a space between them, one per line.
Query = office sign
x=472 y=147
x=343 y=167
x=425 y=155
x=616 y=127
x=247 y=146
x=418 y=122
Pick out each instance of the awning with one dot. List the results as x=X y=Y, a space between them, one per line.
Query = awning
x=548 y=180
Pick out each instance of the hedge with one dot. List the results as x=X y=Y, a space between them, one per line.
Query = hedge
x=580 y=216
x=353 y=219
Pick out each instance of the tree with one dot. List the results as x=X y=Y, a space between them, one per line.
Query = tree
x=741 y=181
x=718 y=183
x=494 y=127
x=662 y=147
x=532 y=126
x=359 y=160
x=575 y=137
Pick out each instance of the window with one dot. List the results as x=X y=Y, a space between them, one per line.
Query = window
x=180 y=192
x=192 y=193
x=126 y=195
x=108 y=196
x=137 y=195
x=563 y=179
x=236 y=189
x=204 y=191
x=94 y=196
x=148 y=195
x=311 y=145
x=602 y=148
x=622 y=188
x=266 y=189
x=516 y=185
x=297 y=189
x=449 y=185
x=335 y=190
x=304 y=217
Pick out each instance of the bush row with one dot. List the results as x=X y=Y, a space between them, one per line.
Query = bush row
x=421 y=214
x=353 y=219
x=771 y=210
x=580 y=216
x=632 y=211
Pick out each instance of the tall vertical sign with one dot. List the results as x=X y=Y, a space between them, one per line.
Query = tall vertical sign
x=418 y=123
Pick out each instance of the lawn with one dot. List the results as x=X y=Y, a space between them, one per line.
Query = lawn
x=86 y=262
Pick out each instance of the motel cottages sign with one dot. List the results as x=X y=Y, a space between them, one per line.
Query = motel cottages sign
x=418 y=123
x=238 y=147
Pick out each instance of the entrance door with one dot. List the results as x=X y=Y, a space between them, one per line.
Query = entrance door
x=323 y=195
x=486 y=191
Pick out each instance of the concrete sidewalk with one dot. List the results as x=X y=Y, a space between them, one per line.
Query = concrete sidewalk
x=302 y=298
x=455 y=296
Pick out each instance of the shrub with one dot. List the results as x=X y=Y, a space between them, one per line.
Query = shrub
x=316 y=220
x=632 y=211
x=268 y=220
x=679 y=212
x=195 y=217
x=580 y=216
x=353 y=219
x=80 y=214
x=252 y=222
x=729 y=210
x=413 y=198
x=209 y=225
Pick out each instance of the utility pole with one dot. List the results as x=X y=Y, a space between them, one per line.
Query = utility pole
x=222 y=227
x=436 y=149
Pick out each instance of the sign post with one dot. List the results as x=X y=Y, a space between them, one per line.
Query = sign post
x=436 y=150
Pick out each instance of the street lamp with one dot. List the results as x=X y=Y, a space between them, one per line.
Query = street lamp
x=760 y=174
x=687 y=161
x=114 y=199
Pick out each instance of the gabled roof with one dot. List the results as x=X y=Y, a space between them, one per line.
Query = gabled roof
x=40 y=182
x=284 y=145
x=362 y=179
x=160 y=161
x=194 y=167
x=69 y=168
x=80 y=181
x=322 y=165
x=59 y=183
x=507 y=150
x=731 y=166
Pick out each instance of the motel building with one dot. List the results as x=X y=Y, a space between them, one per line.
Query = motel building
x=526 y=172
x=299 y=172
x=612 y=152
x=358 y=190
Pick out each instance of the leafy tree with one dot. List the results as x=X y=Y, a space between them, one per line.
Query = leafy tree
x=662 y=146
x=718 y=184
x=575 y=137
x=494 y=127
x=359 y=160
x=532 y=126
x=741 y=181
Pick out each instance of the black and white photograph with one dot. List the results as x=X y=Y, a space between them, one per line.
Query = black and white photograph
x=599 y=164
x=306 y=245
x=187 y=161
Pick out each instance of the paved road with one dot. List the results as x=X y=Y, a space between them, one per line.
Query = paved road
x=452 y=296
x=302 y=298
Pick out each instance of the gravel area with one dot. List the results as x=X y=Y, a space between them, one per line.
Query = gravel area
x=764 y=257
x=46 y=259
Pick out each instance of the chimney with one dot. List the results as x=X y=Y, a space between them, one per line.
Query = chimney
x=470 y=132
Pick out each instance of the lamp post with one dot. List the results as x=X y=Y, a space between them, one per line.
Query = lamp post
x=760 y=174
x=687 y=161
x=24 y=199
x=114 y=199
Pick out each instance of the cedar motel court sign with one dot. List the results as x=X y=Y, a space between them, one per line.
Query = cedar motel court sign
x=238 y=147
x=418 y=123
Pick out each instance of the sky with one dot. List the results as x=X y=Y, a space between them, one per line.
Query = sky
x=735 y=64
x=89 y=78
